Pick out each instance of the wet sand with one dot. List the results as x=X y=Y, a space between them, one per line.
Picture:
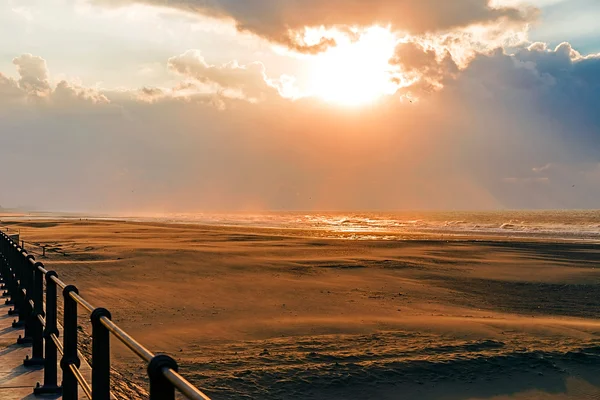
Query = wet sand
x=281 y=314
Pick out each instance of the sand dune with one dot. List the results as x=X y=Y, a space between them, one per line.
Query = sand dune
x=282 y=314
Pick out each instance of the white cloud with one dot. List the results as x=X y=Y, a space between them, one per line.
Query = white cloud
x=542 y=168
x=24 y=12
x=233 y=80
x=33 y=75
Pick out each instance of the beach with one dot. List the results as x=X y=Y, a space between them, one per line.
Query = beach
x=276 y=313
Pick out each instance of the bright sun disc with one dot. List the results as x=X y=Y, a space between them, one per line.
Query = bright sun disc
x=355 y=72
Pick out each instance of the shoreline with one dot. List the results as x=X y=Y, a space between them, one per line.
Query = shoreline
x=323 y=233
x=249 y=309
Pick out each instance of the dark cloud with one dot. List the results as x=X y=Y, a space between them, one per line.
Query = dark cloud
x=568 y=89
x=558 y=85
x=281 y=20
x=425 y=65
x=536 y=108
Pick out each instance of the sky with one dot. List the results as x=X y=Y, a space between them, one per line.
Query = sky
x=126 y=106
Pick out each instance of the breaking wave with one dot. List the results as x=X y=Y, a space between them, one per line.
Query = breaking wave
x=572 y=225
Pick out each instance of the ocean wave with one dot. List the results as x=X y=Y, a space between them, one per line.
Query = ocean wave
x=571 y=225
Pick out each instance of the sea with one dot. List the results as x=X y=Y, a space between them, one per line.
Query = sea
x=568 y=225
x=578 y=225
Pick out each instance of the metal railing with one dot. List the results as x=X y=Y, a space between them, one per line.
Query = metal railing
x=23 y=282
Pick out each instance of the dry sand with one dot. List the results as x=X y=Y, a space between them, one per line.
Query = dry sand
x=276 y=314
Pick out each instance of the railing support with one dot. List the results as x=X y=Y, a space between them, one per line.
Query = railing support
x=50 y=369
x=160 y=387
x=27 y=285
x=100 y=355
x=9 y=281
x=69 y=344
x=9 y=284
x=18 y=295
x=37 y=329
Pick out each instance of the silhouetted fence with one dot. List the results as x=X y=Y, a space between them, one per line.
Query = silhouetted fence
x=31 y=247
x=23 y=280
x=12 y=233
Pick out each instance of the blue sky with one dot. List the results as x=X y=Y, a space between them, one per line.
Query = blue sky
x=574 y=21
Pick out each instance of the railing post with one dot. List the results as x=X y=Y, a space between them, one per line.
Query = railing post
x=4 y=265
x=2 y=279
x=18 y=296
x=37 y=329
x=10 y=281
x=13 y=283
x=3 y=268
x=69 y=344
x=100 y=355
x=7 y=275
x=27 y=310
x=50 y=368
x=160 y=387
x=13 y=278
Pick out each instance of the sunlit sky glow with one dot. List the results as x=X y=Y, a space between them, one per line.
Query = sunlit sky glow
x=363 y=62
x=126 y=46
x=383 y=105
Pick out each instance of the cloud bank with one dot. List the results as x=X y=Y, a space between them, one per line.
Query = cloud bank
x=514 y=130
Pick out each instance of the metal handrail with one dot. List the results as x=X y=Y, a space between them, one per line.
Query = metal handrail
x=81 y=380
x=58 y=344
x=58 y=282
x=82 y=302
x=127 y=340
x=183 y=385
x=24 y=283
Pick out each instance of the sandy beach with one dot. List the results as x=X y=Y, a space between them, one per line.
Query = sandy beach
x=306 y=199
x=277 y=314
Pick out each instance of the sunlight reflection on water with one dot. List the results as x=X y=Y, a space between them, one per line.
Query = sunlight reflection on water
x=574 y=225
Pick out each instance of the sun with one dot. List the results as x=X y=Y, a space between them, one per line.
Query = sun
x=355 y=72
